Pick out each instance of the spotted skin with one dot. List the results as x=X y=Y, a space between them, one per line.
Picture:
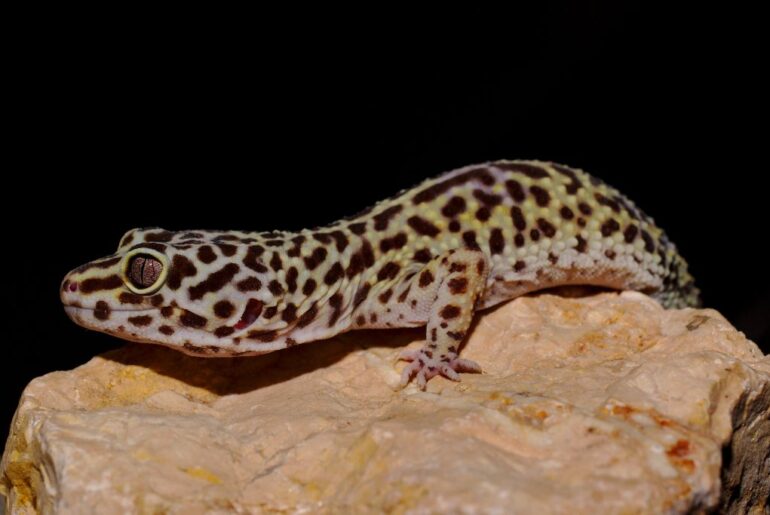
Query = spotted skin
x=430 y=256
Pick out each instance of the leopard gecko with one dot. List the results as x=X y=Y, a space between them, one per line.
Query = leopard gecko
x=430 y=256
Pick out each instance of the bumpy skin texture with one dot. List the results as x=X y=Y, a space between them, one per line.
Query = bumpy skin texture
x=430 y=256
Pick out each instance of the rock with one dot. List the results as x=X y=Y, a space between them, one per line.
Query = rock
x=601 y=404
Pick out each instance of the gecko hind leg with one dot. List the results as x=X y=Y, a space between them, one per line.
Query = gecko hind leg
x=460 y=276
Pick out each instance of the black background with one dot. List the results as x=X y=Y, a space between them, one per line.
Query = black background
x=270 y=123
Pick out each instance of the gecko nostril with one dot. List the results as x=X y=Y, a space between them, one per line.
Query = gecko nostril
x=73 y=286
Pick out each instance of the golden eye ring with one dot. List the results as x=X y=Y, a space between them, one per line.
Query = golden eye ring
x=144 y=270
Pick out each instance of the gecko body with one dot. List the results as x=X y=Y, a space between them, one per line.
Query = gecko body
x=430 y=256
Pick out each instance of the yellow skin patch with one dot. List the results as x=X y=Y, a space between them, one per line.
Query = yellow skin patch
x=430 y=256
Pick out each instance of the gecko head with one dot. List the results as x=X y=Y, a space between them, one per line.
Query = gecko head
x=203 y=292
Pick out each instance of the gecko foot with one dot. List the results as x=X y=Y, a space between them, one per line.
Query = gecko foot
x=425 y=366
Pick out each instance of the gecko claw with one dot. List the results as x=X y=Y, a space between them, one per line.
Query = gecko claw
x=424 y=367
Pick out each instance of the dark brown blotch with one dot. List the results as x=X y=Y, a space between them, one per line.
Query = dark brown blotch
x=224 y=309
x=449 y=312
x=206 y=254
x=214 y=282
x=140 y=321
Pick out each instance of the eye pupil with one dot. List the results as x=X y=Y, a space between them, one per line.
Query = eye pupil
x=144 y=271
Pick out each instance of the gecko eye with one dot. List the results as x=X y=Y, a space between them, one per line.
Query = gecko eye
x=144 y=271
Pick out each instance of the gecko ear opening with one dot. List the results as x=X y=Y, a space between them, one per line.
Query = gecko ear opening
x=144 y=270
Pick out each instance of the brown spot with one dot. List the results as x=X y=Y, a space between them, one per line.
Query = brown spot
x=385 y=296
x=223 y=309
x=469 y=237
x=100 y=283
x=227 y=249
x=426 y=278
x=601 y=199
x=534 y=234
x=582 y=244
x=249 y=284
x=308 y=316
x=610 y=254
x=575 y=183
x=547 y=227
x=291 y=279
x=542 y=197
x=309 y=287
x=190 y=319
x=488 y=199
x=166 y=311
x=432 y=192
x=316 y=258
x=454 y=207
x=433 y=337
x=609 y=227
x=360 y=320
x=519 y=266
x=128 y=238
x=566 y=213
x=496 y=241
x=422 y=226
x=251 y=259
x=449 y=311
x=581 y=222
x=223 y=331
x=518 y=218
x=480 y=266
x=361 y=294
x=381 y=220
x=457 y=267
x=456 y=335
x=403 y=295
x=649 y=243
x=206 y=254
x=458 y=285
x=423 y=256
x=275 y=287
x=483 y=214
x=531 y=171
x=214 y=282
x=358 y=228
x=519 y=240
x=335 y=301
x=322 y=237
x=167 y=330
x=130 y=298
x=396 y=242
x=373 y=318
x=585 y=208
x=553 y=258
x=275 y=262
x=162 y=236
x=140 y=321
x=388 y=271
x=270 y=312
x=454 y=226
x=289 y=314
x=102 y=310
x=263 y=336
x=515 y=190
x=334 y=274
x=630 y=233
x=340 y=240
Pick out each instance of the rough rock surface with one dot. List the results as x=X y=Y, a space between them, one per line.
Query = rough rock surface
x=605 y=404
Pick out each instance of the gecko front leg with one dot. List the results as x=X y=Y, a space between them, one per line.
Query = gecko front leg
x=460 y=276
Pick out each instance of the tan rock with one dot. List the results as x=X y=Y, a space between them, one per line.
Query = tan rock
x=606 y=404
